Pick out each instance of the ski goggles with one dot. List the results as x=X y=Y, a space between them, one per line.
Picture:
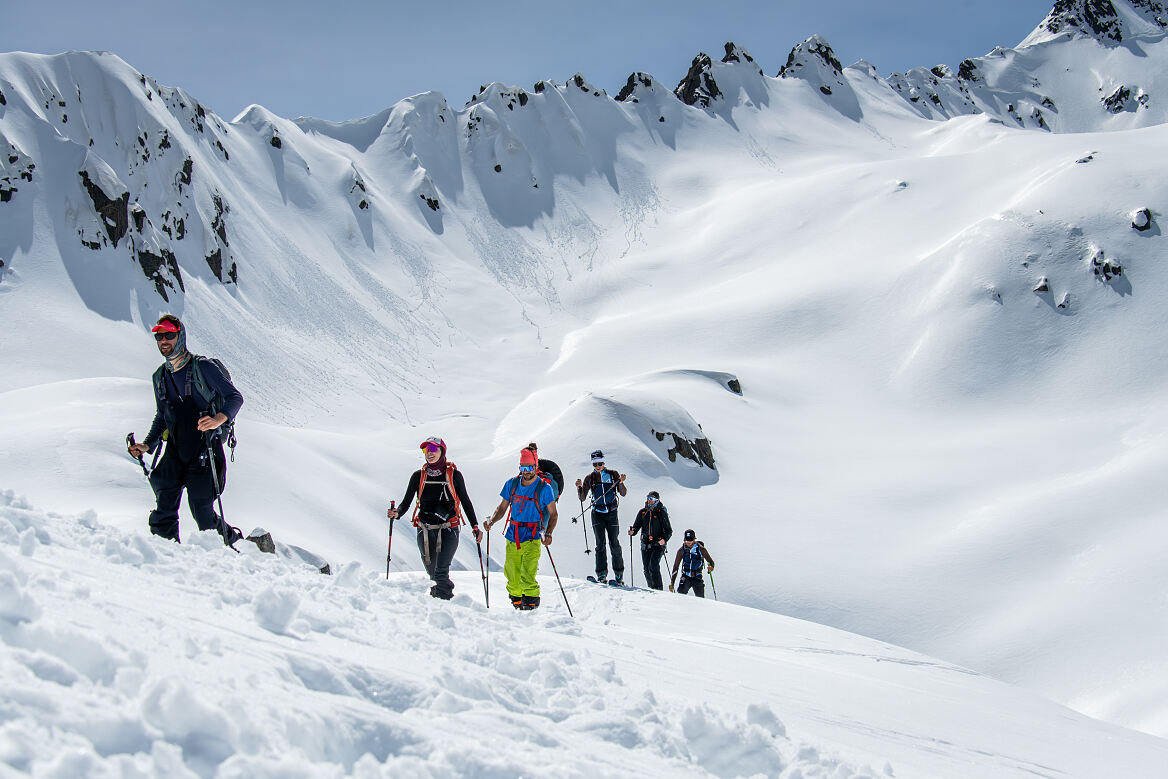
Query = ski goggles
x=165 y=336
x=526 y=468
x=650 y=499
x=432 y=449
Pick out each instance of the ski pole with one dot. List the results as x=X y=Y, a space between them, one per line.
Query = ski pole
x=218 y=491
x=483 y=571
x=557 y=573
x=632 y=565
x=584 y=525
x=712 y=586
x=389 y=546
x=130 y=443
x=488 y=576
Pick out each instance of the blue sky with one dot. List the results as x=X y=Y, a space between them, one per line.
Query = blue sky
x=350 y=58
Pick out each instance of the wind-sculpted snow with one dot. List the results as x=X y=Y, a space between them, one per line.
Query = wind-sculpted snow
x=124 y=654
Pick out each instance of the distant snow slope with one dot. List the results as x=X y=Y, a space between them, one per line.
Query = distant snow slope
x=924 y=357
x=126 y=655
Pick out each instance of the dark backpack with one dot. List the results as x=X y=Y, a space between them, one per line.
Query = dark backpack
x=548 y=468
x=198 y=382
x=692 y=560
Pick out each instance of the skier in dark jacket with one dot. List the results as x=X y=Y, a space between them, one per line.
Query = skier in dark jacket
x=605 y=485
x=653 y=522
x=691 y=557
x=441 y=501
x=188 y=422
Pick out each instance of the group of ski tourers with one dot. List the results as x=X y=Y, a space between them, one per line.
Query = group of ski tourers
x=196 y=405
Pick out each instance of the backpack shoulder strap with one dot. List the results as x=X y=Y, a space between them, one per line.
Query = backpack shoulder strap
x=456 y=520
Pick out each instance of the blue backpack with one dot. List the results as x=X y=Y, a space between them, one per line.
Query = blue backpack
x=692 y=561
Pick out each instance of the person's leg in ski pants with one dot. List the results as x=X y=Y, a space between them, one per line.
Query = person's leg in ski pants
x=169 y=480
x=698 y=585
x=607 y=526
x=438 y=566
x=651 y=555
x=520 y=568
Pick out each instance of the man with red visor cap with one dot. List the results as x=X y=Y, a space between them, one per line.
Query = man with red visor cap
x=441 y=492
x=193 y=399
x=531 y=503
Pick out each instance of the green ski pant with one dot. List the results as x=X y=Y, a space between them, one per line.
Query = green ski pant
x=520 y=567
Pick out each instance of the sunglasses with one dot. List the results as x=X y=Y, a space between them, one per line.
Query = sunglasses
x=431 y=449
x=650 y=500
x=597 y=465
x=526 y=468
x=165 y=336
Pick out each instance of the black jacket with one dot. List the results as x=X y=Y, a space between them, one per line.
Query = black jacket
x=653 y=524
x=436 y=502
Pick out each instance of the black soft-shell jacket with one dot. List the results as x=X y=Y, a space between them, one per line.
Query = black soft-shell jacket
x=653 y=524
x=436 y=502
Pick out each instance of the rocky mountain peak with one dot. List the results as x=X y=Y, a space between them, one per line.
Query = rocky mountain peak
x=698 y=88
x=1105 y=20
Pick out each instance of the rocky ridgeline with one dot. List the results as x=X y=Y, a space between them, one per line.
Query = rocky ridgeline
x=157 y=181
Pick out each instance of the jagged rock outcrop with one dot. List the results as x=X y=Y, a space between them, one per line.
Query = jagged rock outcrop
x=15 y=166
x=735 y=53
x=698 y=451
x=1126 y=99
x=1101 y=20
x=698 y=88
x=814 y=61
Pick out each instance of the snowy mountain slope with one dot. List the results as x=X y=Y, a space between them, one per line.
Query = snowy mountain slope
x=127 y=655
x=925 y=449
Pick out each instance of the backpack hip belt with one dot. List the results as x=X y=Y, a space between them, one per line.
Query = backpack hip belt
x=425 y=528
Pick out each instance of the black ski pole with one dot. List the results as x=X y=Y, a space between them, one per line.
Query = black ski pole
x=130 y=443
x=584 y=524
x=557 y=573
x=483 y=571
x=389 y=546
x=218 y=491
x=632 y=565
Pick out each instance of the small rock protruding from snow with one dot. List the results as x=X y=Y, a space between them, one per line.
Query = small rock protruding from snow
x=1065 y=301
x=698 y=88
x=1142 y=219
x=1043 y=285
x=1103 y=268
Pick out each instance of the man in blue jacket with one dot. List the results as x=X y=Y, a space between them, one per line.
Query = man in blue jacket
x=193 y=398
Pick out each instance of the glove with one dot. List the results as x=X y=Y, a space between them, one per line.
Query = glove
x=671 y=587
x=710 y=568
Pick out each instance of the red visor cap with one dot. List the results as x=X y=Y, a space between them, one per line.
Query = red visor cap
x=165 y=326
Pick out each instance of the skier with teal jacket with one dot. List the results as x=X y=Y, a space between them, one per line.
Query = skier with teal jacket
x=530 y=503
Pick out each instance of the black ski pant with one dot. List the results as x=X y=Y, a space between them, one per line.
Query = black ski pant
x=170 y=478
x=697 y=583
x=651 y=555
x=443 y=543
x=605 y=525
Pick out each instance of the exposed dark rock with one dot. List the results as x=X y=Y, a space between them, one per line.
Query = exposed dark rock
x=1043 y=285
x=498 y=168
x=6 y=191
x=363 y=205
x=219 y=223
x=3 y=100
x=188 y=168
x=430 y=201
x=113 y=213
x=1094 y=17
x=1105 y=269
x=735 y=53
x=967 y=71
x=219 y=146
x=1065 y=302
x=1124 y=99
x=630 y=86
x=277 y=142
x=827 y=90
x=698 y=451
x=165 y=142
x=816 y=47
x=698 y=87
x=734 y=386
x=1084 y=160
x=152 y=265
x=139 y=216
x=1142 y=220
x=539 y=87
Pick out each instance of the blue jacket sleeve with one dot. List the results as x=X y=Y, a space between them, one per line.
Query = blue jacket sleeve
x=220 y=384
